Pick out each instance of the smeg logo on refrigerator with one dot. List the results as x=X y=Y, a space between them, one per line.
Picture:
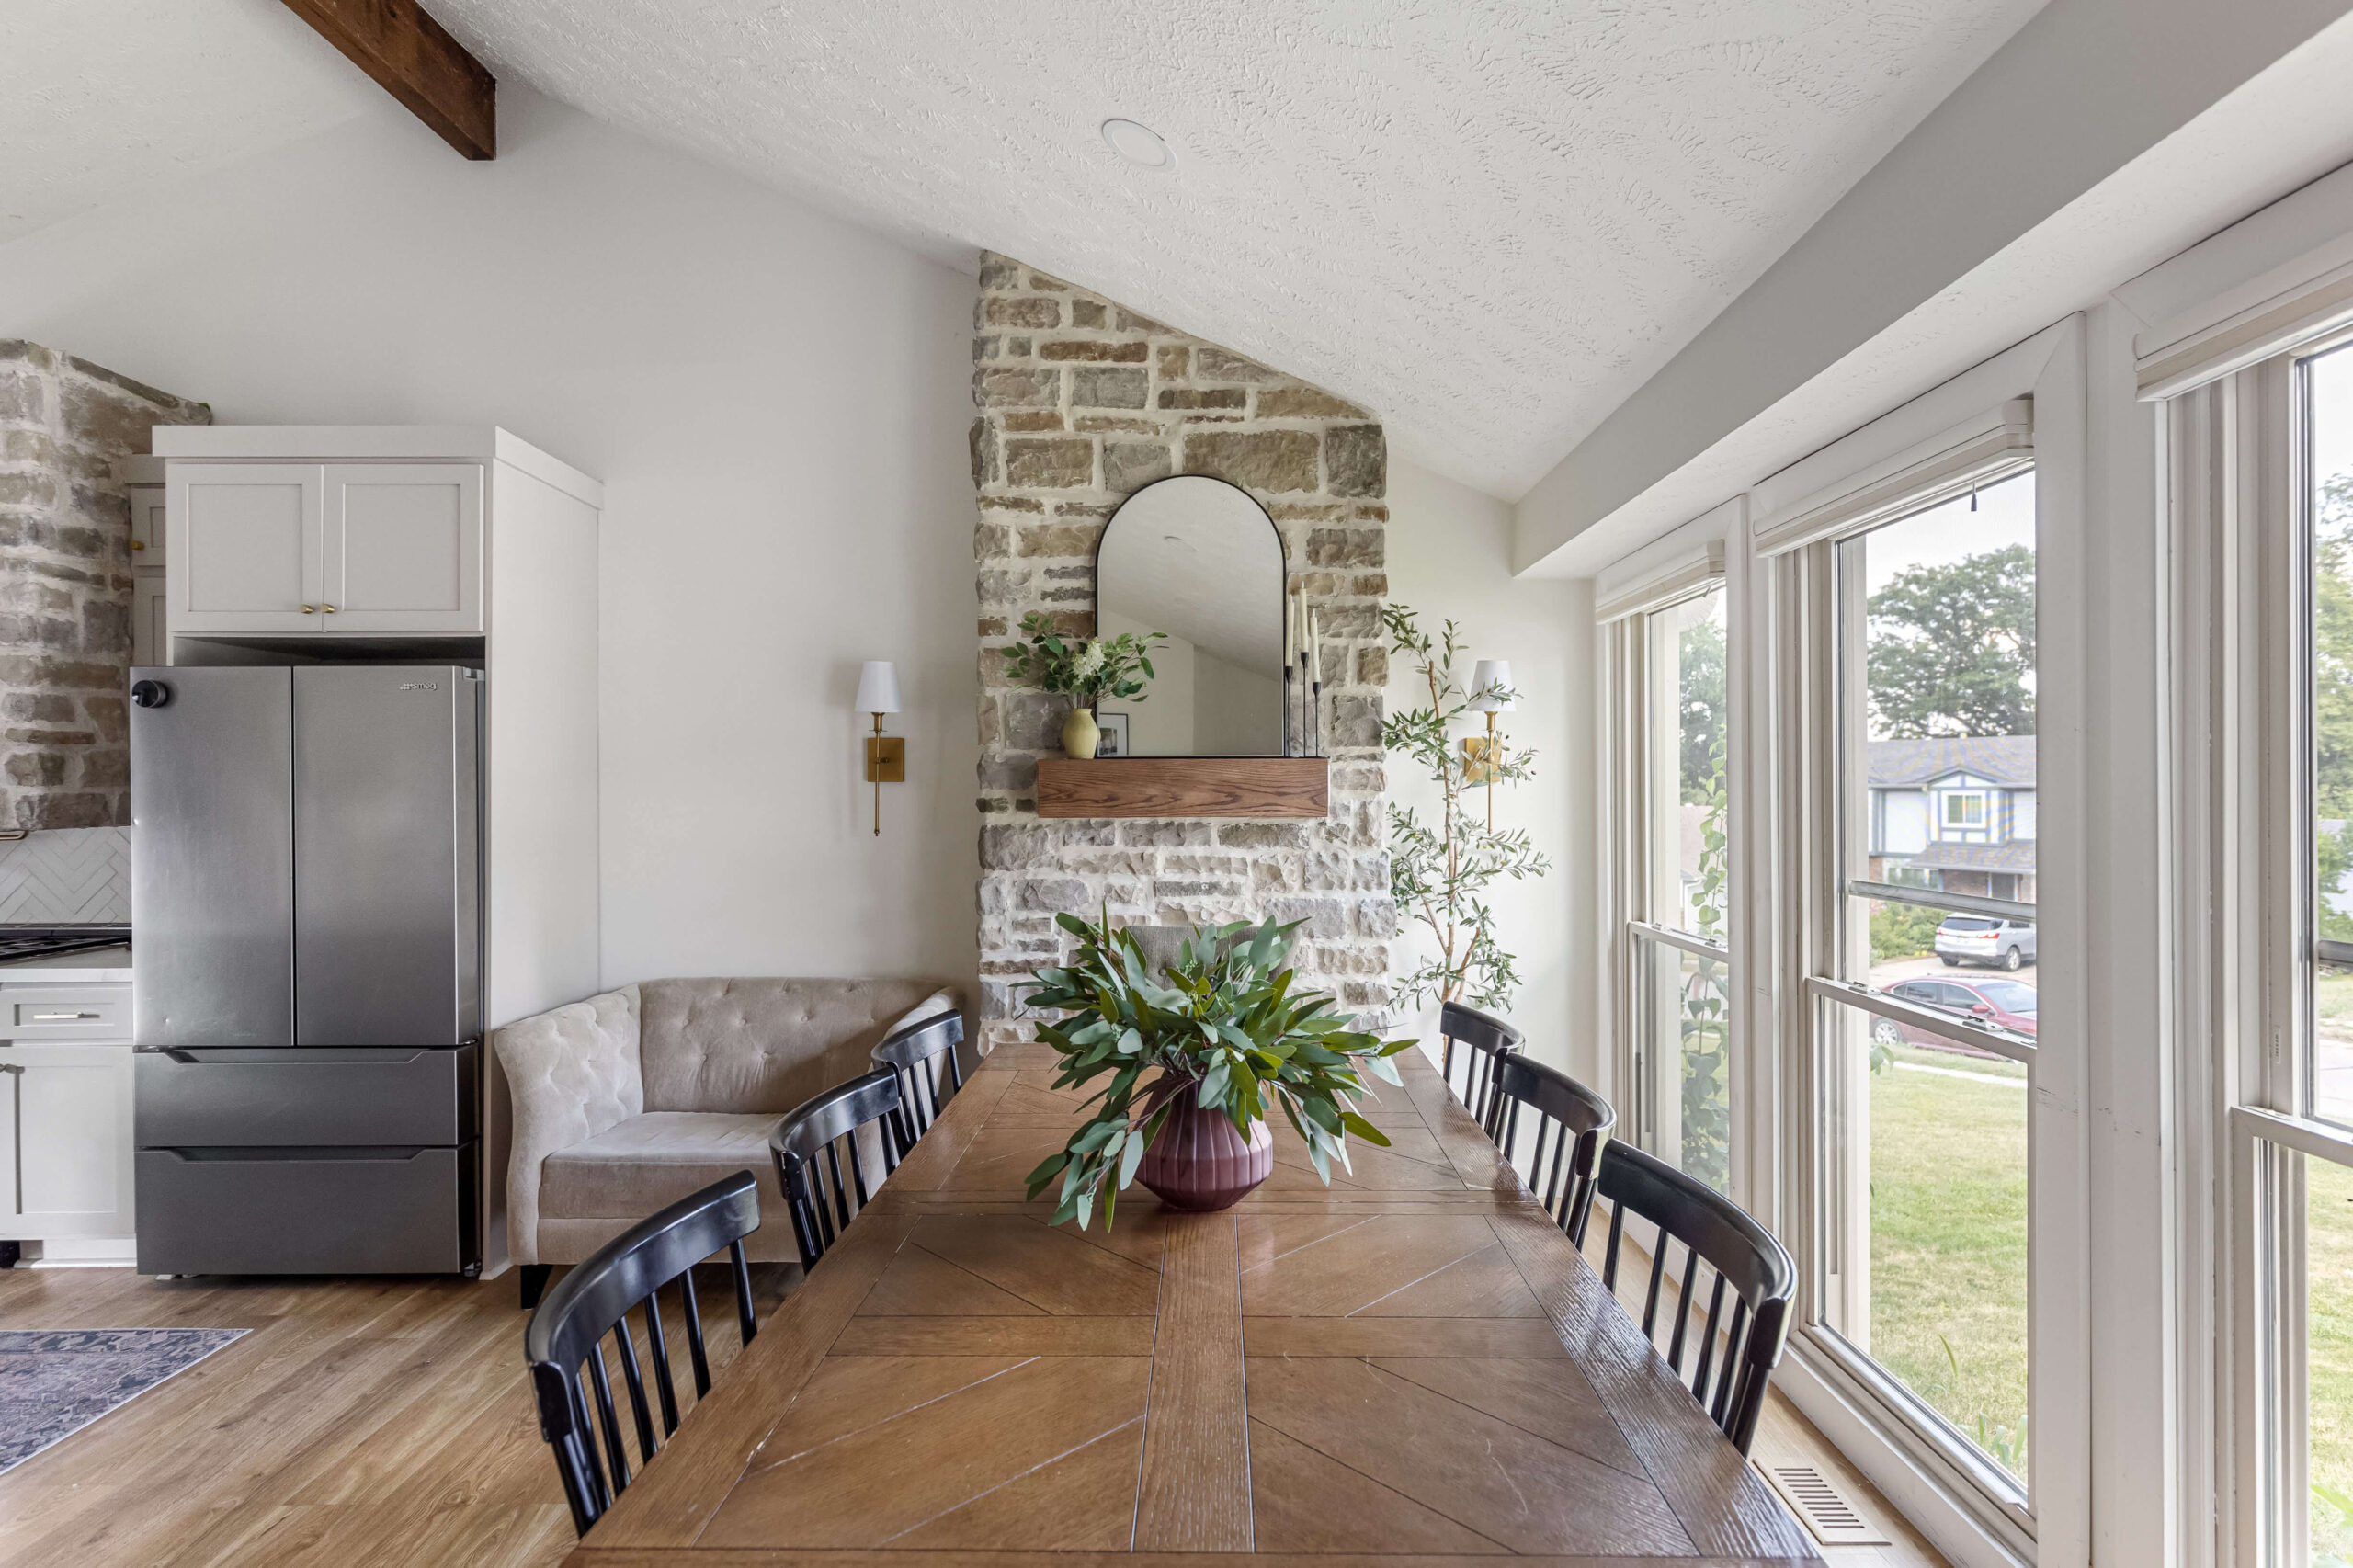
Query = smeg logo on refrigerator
x=420 y=686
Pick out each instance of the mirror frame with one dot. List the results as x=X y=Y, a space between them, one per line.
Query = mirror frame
x=1282 y=589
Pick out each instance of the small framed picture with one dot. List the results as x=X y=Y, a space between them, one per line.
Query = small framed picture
x=1115 y=735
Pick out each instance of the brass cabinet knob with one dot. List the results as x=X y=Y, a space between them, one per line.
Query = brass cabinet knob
x=138 y=544
x=329 y=608
x=310 y=609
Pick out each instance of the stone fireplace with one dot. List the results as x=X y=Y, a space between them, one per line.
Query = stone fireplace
x=66 y=583
x=1081 y=401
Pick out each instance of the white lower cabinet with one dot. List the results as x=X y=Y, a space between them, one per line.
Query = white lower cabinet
x=67 y=1148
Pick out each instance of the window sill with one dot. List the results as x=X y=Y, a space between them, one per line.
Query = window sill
x=1939 y=1507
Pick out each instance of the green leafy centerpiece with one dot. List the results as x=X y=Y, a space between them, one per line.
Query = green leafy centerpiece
x=1194 y=1056
x=1086 y=669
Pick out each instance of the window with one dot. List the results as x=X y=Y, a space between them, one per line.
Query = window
x=1924 y=1017
x=1674 y=988
x=2293 y=1113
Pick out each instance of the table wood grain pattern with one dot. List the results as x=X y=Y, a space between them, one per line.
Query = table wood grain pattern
x=1409 y=1368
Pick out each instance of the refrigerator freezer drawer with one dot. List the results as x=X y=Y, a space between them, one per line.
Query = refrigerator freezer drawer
x=307 y=1211
x=296 y=1095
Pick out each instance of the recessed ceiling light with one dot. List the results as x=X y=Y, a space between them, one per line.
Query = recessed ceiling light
x=1138 y=145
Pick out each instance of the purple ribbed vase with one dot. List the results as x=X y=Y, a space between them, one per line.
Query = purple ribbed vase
x=1200 y=1162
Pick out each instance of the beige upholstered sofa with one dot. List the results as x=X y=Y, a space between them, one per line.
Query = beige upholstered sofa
x=636 y=1098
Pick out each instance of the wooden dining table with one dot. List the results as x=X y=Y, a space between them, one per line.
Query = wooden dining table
x=1411 y=1363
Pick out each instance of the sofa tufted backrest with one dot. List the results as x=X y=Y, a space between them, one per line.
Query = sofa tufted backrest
x=763 y=1045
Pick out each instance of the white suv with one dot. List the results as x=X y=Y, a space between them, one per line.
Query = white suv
x=1981 y=939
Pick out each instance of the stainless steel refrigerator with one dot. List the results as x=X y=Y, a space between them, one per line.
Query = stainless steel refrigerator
x=306 y=910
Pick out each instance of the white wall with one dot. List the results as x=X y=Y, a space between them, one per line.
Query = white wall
x=1161 y=722
x=1237 y=711
x=776 y=402
x=1449 y=550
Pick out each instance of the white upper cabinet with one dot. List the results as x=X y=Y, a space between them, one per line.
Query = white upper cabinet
x=293 y=547
x=148 y=530
x=244 y=547
x=402 y=548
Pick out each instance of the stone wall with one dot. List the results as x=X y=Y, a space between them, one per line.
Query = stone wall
x=66 y=583
x=1081 y=403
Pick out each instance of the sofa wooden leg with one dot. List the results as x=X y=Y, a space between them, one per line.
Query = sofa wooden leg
x=534 y=1277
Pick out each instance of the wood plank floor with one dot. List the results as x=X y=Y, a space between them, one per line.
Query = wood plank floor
x=361 y=1422
x=374 y=1424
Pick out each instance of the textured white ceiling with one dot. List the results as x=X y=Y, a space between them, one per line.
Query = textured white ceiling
x=1488 y=220
x=100 y=97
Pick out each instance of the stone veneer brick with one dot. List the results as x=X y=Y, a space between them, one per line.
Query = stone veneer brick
x=1089 y=402
x=66 y=583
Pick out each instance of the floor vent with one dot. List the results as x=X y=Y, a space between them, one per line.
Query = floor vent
x=1821 y=1506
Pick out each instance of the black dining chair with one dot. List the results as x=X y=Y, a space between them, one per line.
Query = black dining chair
x=1571 y=1124
x=1740 y=1254
x=914 y=1055
x=808 y=1149
x=1484 y=1040
x=565 y=1342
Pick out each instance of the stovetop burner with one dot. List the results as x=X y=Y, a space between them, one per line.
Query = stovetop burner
x=41 y=941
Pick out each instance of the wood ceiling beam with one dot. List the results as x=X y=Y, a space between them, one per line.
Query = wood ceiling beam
x=415 y=60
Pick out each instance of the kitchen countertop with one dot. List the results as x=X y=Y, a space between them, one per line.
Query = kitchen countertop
x=93 y=964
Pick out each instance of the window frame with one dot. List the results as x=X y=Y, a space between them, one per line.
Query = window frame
x=1987 y=416
x=1638 y=929
x=1952 y=797
x=2240 y=480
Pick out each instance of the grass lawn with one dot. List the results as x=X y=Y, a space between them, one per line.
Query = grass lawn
x=2329 y=1268
x=1949 y=1241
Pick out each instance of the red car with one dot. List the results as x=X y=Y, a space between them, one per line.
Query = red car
x=2005 y=1003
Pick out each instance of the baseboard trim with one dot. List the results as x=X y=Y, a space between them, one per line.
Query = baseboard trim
x=80 y=1252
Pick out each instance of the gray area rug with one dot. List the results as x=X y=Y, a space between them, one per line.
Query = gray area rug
x=55 y=1381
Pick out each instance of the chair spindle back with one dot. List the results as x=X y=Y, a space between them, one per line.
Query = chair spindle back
x=1570 y=1124
x=917 y=1054
x=1743 y=1259
x=808 y=1145
x=564 y=1343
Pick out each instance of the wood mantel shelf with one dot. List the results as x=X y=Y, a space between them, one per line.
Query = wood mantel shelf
x=1185 y=786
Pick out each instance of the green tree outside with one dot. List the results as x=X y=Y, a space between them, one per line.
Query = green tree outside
x=1952 y=648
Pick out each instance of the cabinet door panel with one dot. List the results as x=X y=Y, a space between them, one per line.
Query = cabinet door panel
x=150 y=642
x=73 y=1138
x=403 y=547
x=244 y=552
x=149 y=529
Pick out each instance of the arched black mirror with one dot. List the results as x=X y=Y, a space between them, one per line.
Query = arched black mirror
x=1198 y=559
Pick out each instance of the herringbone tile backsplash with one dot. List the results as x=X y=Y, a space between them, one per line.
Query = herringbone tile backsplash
x=66 y=877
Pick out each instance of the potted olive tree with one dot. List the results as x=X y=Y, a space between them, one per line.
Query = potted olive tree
x=1196 y=1057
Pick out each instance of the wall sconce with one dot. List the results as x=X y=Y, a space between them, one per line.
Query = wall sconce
x=886 y=756
x=1491 y=694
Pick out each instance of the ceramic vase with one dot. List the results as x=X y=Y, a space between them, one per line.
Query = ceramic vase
x=1199 y=1162
x=1081 y=734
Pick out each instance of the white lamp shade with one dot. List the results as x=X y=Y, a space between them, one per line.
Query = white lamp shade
x=1491 y=675
x=878 y=688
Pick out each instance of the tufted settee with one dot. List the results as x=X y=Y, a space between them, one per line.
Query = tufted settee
x=636 y=1098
